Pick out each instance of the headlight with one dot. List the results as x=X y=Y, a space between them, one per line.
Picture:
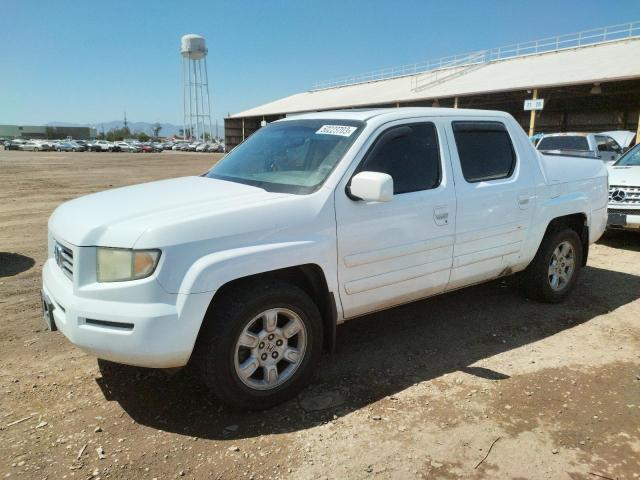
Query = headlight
x=119 y=264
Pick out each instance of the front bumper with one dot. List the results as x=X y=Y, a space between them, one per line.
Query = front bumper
x=158 y=334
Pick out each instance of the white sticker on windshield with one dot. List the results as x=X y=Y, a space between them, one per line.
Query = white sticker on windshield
x=342 y=130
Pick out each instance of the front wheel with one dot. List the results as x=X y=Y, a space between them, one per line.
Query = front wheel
x=554 y=271
x=261 y=346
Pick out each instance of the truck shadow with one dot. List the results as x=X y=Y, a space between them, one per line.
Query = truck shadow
x=376 y=356
x=623 y=239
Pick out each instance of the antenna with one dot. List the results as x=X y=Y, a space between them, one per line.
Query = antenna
x=196 y=102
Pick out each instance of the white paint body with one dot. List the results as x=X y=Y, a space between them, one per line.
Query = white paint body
x=373 y=255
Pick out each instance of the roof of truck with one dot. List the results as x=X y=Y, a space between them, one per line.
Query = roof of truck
x=393 y=113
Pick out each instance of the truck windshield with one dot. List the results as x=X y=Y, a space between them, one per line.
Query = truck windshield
x=564 y=143
x=294 y=156
x=630 y=159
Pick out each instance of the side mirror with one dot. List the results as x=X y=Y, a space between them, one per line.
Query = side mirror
x=372 y=187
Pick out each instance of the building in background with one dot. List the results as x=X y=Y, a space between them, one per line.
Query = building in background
x=588 y=81
x=46 y=131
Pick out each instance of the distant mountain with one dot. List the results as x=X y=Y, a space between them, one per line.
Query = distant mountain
x=168 y=129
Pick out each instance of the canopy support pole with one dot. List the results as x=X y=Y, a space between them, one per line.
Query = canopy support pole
x=532 y=118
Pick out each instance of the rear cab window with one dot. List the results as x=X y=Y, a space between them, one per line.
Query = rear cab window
x=564 y=142
x=485 y=150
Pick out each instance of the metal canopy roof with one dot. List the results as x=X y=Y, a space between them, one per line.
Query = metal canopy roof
x=603 y=62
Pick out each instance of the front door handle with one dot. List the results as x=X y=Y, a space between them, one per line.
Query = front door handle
x=441 y=215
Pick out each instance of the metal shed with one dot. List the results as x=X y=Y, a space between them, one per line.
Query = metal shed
x=590 y=81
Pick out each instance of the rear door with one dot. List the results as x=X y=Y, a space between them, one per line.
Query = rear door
x=394 y=252
x=495 y=195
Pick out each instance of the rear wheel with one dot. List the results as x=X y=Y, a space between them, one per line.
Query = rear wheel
x=554 y=271
x=262 y=345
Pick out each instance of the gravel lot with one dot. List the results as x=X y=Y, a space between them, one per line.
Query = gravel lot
x=420 y=391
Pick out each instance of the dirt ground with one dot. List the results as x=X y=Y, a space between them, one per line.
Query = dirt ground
x=427 y=390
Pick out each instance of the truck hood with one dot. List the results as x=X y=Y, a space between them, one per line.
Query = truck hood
x=119 y=217
x=624 y=175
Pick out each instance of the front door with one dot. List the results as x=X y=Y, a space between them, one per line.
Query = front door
x=398 y=251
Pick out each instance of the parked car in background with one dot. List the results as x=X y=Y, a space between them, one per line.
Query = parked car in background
x=129 y=147
x=66 y=147
x=101 y=146
x=82 y=143
x=312 y=221
x=47 y=145
x=13 y=144
x=78 y=147
x=624 y=191
x=624 y=138
x=203 y=147
x=157 y=147
x=31 y=146
x=146 y=148
x=591 y=145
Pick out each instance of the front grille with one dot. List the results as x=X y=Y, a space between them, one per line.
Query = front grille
x=623 y=194
x=64 y=258
x=625 y=211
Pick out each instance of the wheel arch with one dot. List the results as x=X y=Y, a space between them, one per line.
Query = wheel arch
x=309 y=277
x=577 y=222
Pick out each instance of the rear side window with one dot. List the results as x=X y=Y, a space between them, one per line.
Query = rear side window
x=485 y=150
x=410 y=154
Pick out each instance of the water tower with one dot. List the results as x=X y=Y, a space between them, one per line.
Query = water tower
x=197 y=106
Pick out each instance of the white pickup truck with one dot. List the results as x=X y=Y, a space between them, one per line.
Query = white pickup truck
x=314 y=220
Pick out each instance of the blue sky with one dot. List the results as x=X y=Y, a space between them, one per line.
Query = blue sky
x=88 y=61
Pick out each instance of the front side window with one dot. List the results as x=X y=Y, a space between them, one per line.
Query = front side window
x=613 y=145
x=485 y=150
x=294 y=156
x=603 y=146
x=410 y=154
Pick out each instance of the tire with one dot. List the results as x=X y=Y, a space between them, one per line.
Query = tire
x=58 y=149
x=73 y=150
x=244 y=312
x=36 y=149
x=543 y=283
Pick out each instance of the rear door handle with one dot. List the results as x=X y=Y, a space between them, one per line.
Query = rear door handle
x=441 y=215
x=524 y=201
